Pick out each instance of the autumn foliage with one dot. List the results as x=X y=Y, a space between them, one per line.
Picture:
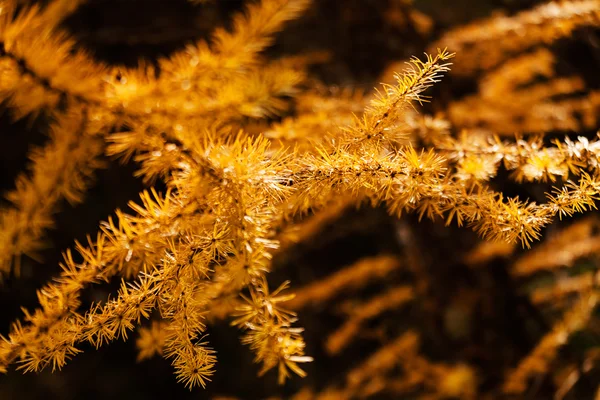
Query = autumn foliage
x=245 y=155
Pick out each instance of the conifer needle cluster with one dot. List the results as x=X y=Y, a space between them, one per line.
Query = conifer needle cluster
x=234 y=193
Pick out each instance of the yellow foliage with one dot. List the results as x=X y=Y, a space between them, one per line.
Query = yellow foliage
x=234 y=197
